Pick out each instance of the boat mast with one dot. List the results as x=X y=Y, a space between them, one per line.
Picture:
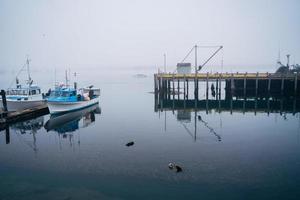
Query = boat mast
x=28 y=71
x=66 y=78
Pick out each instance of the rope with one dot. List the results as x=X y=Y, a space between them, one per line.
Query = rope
x=17 y=75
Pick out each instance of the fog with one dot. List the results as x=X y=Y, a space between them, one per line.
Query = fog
x=112 y=34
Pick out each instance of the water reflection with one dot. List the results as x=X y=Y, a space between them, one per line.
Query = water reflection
x=70 y=122
x=193 y=112
x=27 y=127
x=65 y=125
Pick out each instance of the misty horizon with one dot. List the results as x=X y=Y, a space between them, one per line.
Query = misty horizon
x=116 y=34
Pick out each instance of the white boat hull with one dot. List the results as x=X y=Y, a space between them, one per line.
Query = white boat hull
x=63 y=107
x=15 y=105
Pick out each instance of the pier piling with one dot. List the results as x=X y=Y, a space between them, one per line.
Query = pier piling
x=3 y=96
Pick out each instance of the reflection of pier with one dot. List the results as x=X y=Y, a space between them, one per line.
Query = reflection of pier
x=264 y=93
x=237 y=105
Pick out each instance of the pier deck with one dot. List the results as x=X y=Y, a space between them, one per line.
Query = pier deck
x=227 y=76
x=12 y=117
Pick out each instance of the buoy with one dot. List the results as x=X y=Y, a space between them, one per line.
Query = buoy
x=130 y=144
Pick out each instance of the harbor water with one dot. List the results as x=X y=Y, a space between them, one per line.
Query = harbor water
x=224 y=154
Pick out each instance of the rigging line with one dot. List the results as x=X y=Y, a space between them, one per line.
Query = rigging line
x=188 y=54
x=17 y=75
x=211 y=129
x=24 y=141
x=186 y=57
x=187 y=130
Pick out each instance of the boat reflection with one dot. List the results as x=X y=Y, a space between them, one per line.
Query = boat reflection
x=27 y=127
x=70 y=122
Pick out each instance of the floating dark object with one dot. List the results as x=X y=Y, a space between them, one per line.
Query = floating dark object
x=130 y=144
x=199 y=118
x=171 y=166
x=174 y=166
x=178 y=169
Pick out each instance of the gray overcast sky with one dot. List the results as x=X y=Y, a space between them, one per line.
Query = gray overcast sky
x=115 y=33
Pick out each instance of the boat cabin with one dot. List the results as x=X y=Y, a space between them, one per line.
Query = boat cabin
x=63 y=94
x=28 y=91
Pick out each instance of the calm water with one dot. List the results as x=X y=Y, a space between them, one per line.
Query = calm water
x=251 y=155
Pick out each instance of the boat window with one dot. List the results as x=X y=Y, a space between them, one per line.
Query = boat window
x=68 y=94
x=54 y=93
x=33 y=92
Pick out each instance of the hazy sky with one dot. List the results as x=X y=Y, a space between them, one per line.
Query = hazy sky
x=112 y=33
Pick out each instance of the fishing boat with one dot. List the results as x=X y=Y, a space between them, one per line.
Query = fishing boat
x=66 y=99
x=24 y=96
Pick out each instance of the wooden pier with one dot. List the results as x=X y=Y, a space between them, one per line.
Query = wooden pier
x=9 y=117
x=16 y=116
x=167 y=84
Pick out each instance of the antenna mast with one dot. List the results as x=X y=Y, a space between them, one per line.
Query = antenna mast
x=28 y=70
x=66 y=78
x=165 y=63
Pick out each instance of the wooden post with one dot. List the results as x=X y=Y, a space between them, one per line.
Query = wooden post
x=232 y=82
x=7 y=135
x=184 y=80
x=268 y=105
x=282 y=84
x=256 y=84
x=217 y=86
x=220 y=86
x=296 y=83
x=269 y=84
x=187 y=88
x=173 y=83
x=159 y=84
x=255 y=105
x=184 y=87
x=169 y=88
x=245 y=84
x=207 y=85
x=195 y=88
x=155 y=83
x=178 y=89
x=3 y=95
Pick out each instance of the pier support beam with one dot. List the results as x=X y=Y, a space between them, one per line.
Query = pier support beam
x=269 y=84
x=184 y=81
x=219 y=86
x=3 y=96
x=178 y=89
x=256 y=84
x=187 y=88
x=231 y=85
x=282 y=84
x=245 y=85
x=207 y=85
x=173 y=87
x=295 y=84
x=7 y=135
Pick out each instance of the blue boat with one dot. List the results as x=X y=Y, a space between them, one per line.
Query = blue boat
x=66 y=99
